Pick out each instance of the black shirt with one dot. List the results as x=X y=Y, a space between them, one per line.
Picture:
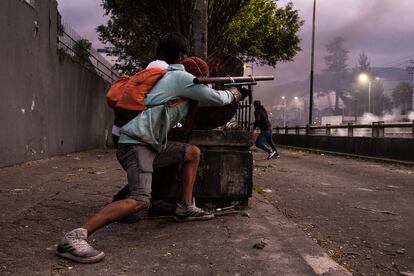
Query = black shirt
x=261 y=120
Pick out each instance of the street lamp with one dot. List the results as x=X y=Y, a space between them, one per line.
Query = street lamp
x=298 y=110
x=364 y=78
x=410 y=70
x=284 y=110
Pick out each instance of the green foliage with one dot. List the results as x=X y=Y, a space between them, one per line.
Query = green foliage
x=254 y=30
x=221 y=14
x=135 y=27
x=82 y=47
x=264 y=33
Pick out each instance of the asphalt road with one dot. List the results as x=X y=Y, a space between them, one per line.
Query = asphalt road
x=361 y=212
x=41 y=200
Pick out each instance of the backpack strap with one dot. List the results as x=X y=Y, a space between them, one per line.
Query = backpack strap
x=137 y=87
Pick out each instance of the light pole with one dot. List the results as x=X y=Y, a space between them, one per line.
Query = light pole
x=364 y=78
x=284 y=110
x=297 y=108
x=410 y=70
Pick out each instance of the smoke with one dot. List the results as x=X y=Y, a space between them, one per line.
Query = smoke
x=394 y=116
x=368 y=118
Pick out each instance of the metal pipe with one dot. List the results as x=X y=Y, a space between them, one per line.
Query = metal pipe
x=235 y=80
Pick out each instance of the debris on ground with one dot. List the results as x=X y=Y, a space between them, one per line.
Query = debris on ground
x=400 y=251
x=245 y=214
x=376 y=211
x=260 y=245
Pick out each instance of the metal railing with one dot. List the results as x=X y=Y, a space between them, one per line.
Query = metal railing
x=376 y=129
x=244 y=111
x=244 y=114
x=70 y=43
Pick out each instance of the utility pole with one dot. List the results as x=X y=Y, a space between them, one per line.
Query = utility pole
x=369 y=95
x=312 y=65
x=200 y=27
x=284 y=110
x=410 y=70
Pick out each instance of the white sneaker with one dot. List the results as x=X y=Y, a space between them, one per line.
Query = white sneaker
x=191 y=213
x=271 y=154
x=74 y=246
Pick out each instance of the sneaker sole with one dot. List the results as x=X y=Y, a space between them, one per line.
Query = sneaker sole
x=88 y=260
x=273 y=157
x=184 y=219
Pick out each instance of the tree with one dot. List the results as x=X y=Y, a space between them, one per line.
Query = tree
x=337 y=68
x=253 y=30
x=264 y=33
x=364 y=65
x=401 y=97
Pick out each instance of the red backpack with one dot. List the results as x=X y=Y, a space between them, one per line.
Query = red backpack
x=130 y=92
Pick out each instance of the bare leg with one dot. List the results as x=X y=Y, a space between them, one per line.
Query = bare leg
x=113 y=212
x=190 y=167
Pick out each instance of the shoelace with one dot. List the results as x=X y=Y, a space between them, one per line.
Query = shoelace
x=195 y=209
x=81 y=245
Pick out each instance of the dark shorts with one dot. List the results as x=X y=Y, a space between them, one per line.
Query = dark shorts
x=139 y=162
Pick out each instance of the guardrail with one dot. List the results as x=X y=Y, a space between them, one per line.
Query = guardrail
x=88 y=57
x=376 y=129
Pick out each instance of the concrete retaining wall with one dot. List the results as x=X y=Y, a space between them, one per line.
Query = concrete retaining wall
x=390 y=148
x=49 y=104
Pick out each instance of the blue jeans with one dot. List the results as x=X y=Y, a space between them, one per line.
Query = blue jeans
x=265 y=135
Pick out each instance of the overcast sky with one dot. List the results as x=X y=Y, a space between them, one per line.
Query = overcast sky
x=384 y=29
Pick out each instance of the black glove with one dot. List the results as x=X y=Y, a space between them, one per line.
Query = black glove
x=245 y=92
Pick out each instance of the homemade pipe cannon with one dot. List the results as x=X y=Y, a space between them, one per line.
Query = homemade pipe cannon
x=225 y=173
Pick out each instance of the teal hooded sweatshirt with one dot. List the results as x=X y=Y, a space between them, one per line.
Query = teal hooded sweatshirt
x=152 y=125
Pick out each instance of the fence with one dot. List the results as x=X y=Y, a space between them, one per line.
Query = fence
x=244 y=114
x=79 y=49
x=376 y=129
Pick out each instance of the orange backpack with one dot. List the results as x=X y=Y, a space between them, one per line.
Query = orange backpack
x=130 y=92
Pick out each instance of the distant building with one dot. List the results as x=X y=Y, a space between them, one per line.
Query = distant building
x=326 y=100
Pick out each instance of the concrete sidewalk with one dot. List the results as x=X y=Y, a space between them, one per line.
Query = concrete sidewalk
x=42 y=200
